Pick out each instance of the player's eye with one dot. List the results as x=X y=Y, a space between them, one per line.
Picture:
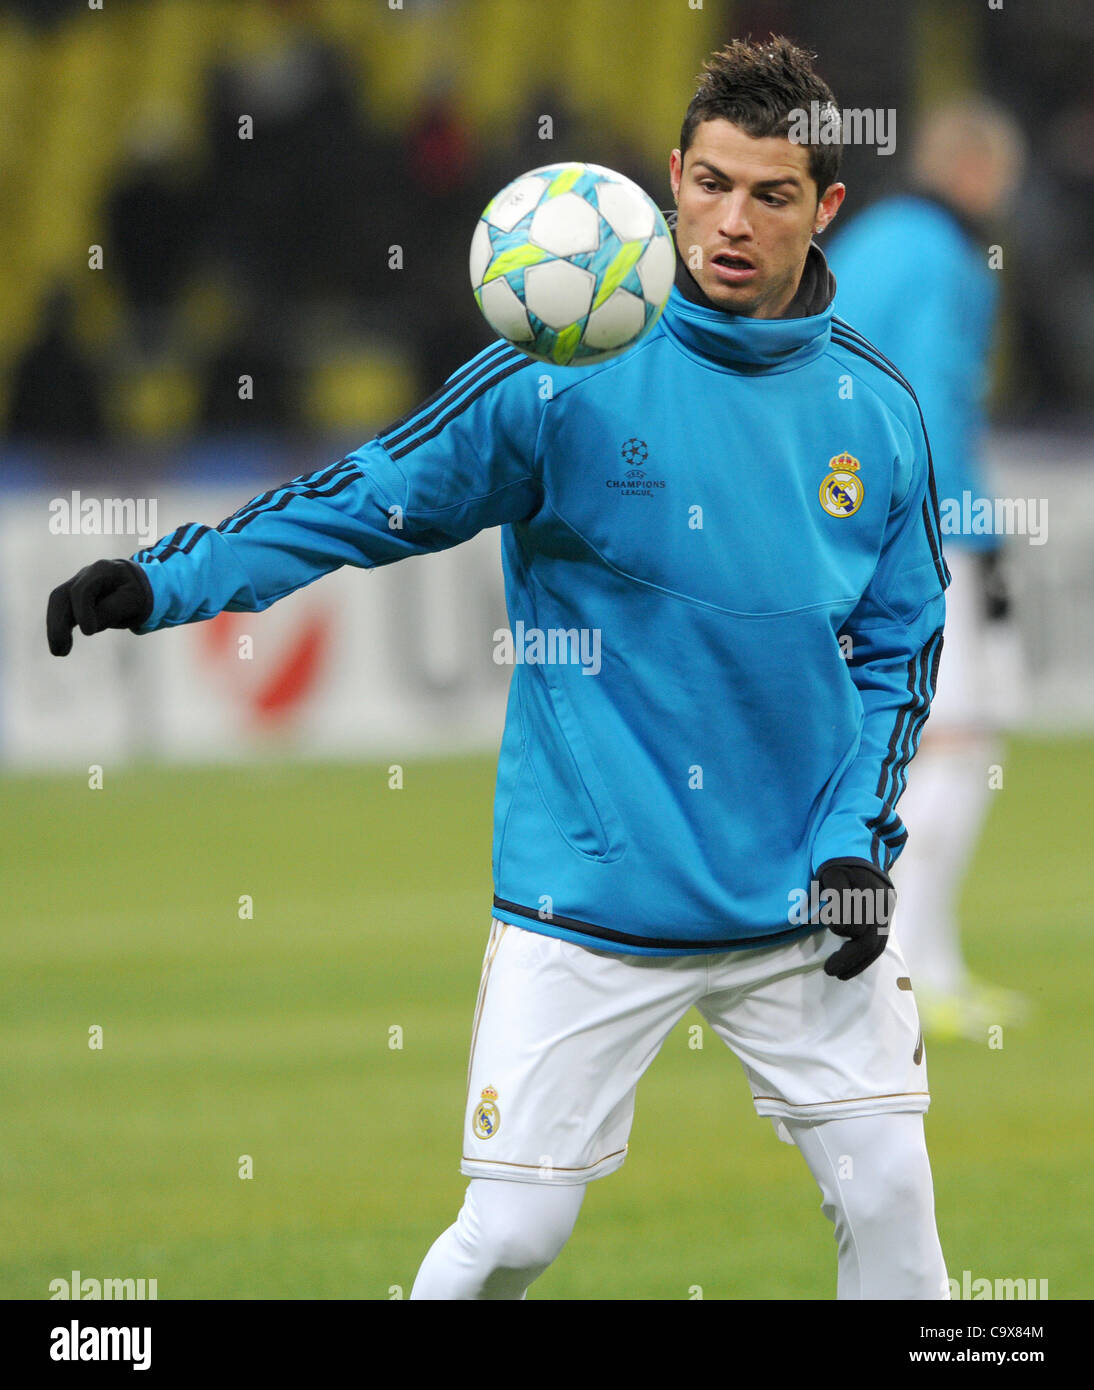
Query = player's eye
x=773 y=200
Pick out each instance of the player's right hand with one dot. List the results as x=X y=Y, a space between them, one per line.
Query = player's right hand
x=109 y=593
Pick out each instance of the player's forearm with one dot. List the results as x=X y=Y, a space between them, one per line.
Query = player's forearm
x=189 y=585
x=896 y=692
x=275 y=544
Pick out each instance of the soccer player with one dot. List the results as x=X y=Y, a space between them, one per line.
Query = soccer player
x=914 y=276
x=710 y=818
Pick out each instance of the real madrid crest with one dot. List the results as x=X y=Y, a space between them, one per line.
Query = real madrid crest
x=487 y=1118
x=842 y=492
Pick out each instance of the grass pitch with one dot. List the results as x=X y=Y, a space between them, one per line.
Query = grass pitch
x=274 y=1038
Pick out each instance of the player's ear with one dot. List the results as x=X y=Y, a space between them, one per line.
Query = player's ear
x=828 y=206
x=676 y=169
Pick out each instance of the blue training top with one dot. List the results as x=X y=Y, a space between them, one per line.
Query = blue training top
x=737 y=517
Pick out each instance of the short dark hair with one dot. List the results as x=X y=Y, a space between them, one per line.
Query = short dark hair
x=757 y=86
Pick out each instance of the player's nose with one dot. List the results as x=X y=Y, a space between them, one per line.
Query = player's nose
x=733 y=219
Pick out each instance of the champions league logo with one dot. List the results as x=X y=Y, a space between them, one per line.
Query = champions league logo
x=634 y=453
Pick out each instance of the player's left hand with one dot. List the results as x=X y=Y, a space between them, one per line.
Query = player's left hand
x=108 y=593
x=865 y=905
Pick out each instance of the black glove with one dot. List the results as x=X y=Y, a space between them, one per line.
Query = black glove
x=863 y=916
x=994 y=585
x=109 y=593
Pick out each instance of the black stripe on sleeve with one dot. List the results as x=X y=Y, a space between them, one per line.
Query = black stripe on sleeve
x=261 y=503
x=897 y=735
x=846 y=331
x=453 y=411
x=400 y=430
x=286 y=495
x=931 y=521
x=886 y=825
x=174 y=544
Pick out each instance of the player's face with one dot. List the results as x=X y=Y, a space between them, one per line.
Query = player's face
x=747 y=210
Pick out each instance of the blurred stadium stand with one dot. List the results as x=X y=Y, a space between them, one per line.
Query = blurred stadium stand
x=373 y=129
x=379 y=128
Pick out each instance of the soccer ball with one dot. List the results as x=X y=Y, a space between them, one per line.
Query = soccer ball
x=572 y=263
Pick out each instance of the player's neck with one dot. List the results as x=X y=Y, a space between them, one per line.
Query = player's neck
x=815 y=289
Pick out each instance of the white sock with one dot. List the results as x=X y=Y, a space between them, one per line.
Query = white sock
x=505 y=1236
x=875 y=1180
x=944 y=809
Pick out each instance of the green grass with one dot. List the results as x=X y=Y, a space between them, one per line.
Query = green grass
x=269 y=1037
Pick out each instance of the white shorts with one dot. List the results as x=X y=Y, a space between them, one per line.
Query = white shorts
x=562 y=1035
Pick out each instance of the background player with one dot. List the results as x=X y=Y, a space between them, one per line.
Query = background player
x=912 y=273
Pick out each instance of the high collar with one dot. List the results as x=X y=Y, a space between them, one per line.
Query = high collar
x=739 y=343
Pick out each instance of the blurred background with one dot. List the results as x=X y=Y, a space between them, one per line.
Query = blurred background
x=233 y=242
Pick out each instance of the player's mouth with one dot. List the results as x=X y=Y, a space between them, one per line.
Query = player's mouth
x=733 y=269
